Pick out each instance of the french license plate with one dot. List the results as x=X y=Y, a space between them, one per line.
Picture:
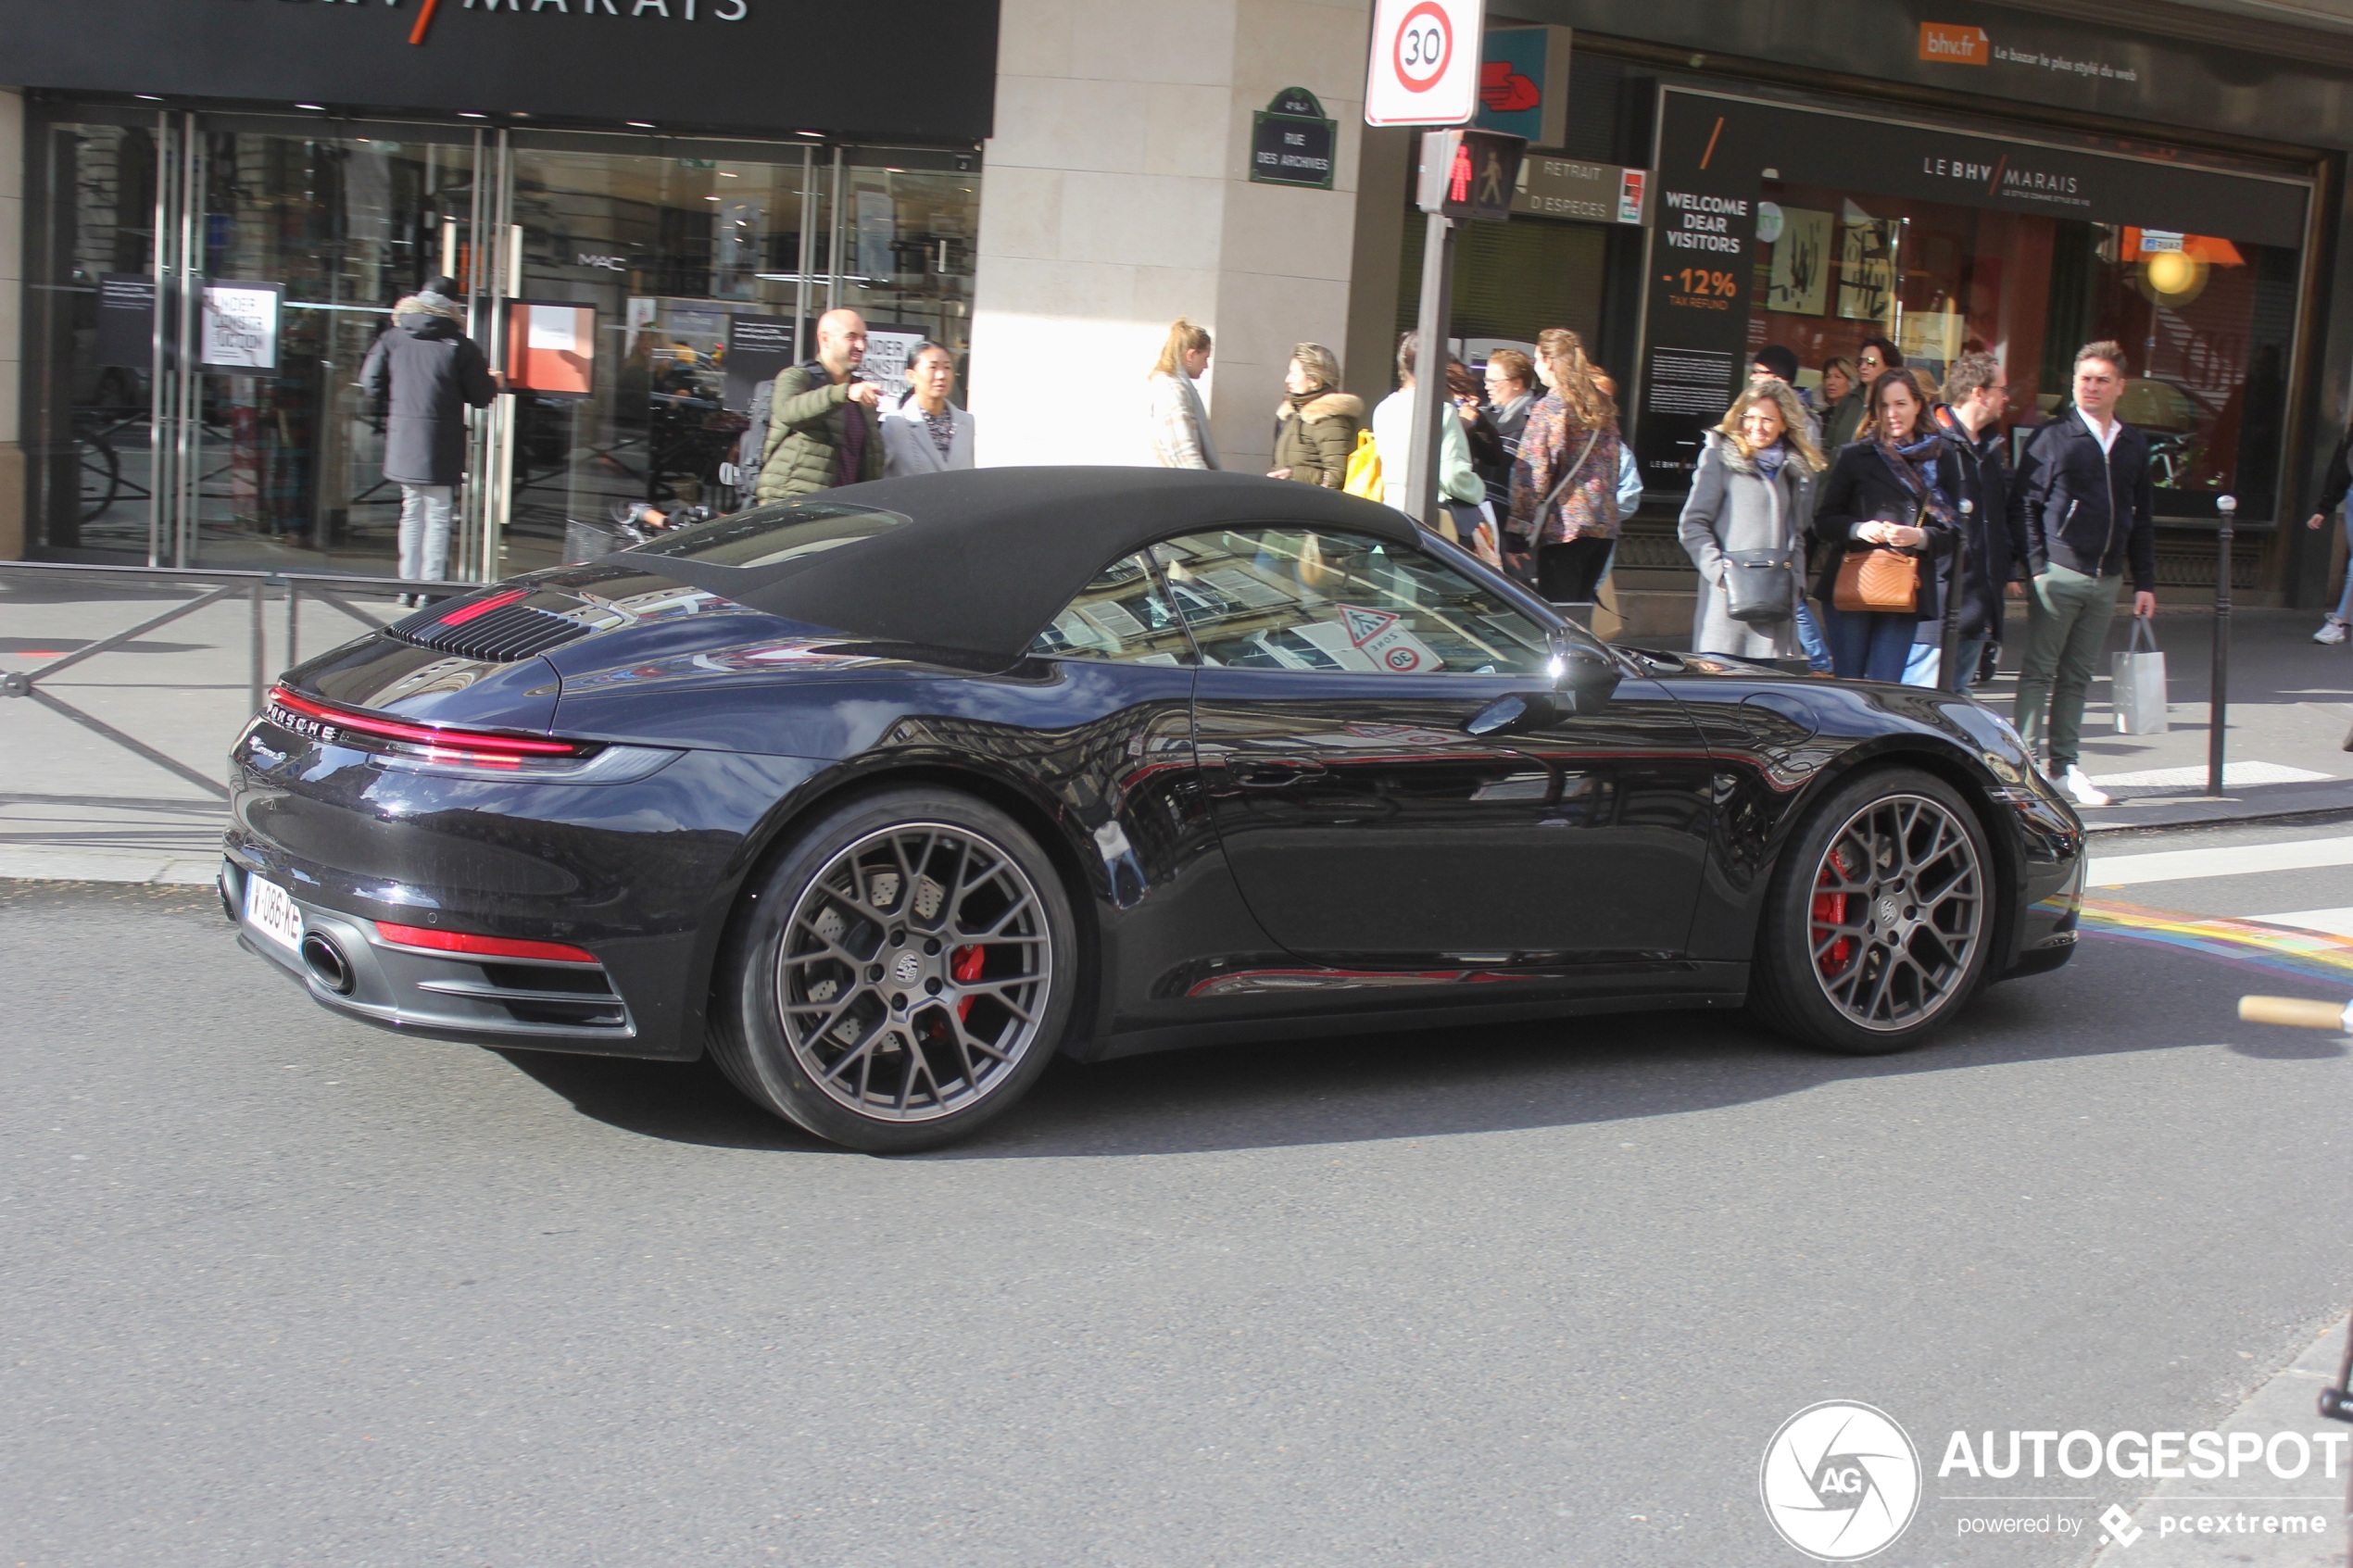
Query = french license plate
x=271 y=910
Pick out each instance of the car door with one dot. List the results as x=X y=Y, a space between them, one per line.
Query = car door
x=1366 y=824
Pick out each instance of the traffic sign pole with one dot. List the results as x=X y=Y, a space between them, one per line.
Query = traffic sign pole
x=1430 y=366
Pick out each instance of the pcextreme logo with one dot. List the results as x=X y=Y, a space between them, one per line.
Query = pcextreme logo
x=1840 y=1481
x=663 y=10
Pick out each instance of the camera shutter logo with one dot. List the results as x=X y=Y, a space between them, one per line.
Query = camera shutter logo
x=1840 y=1481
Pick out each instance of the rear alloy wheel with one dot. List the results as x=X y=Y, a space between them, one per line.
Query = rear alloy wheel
x=905 y=974
x=1878 y=924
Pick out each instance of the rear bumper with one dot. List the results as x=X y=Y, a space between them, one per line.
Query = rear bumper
x=534 y=1005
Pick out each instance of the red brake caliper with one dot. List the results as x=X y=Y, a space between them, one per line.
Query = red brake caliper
x=1830 y=909
x=965 y=963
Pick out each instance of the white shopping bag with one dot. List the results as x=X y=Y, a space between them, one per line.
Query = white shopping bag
x=2139 y=684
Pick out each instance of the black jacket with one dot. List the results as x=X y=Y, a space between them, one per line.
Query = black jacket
x=1994 y=537
x=432 y=370
x=2339 y=479
x=2085 y=510
x=1861 y=488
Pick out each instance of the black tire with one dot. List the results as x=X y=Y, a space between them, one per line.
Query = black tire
x=1880 y=921
x=901 y=974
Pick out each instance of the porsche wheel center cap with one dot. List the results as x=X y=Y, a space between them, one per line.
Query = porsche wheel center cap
x=907 y=968
x=1888 y=911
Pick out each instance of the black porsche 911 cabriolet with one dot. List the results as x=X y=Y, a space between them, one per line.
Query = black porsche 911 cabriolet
x=885 y=796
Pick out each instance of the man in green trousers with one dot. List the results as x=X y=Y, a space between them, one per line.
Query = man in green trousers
x=2084 y=494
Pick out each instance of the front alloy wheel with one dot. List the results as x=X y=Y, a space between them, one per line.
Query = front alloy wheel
x=1880 y=920
x=1898 y=910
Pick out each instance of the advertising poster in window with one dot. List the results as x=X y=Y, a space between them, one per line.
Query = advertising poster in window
x=758 y=348
x=240 y=329
x=887 y=346
x=1800 y=279
x=1702 y=264
x=551 y=347
x=1865 y=268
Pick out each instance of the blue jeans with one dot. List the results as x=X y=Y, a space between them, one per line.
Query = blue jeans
x=1923 y=666
x=1872 y=644
x=2344 y=602
x=1809 y=639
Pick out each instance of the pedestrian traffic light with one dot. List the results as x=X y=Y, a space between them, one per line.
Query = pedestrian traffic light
x=1470 y=174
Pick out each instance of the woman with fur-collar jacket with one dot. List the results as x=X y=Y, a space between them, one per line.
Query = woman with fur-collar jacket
x=1315 y=424
x=1754 y=490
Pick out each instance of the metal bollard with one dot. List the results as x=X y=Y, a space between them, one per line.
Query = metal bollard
x=2217 y=701
x=1948 y=647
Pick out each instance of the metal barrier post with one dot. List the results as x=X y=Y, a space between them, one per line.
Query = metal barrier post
x=2218 y=702
x=259 y=593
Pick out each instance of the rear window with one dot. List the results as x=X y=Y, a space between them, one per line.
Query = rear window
x=772 y=535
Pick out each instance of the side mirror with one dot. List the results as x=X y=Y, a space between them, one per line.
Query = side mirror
x=1583 y=674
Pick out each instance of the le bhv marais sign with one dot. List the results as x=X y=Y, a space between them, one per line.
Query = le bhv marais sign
x=783 y=64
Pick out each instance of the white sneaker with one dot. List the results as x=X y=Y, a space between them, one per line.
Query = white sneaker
x=2332 y=631
x=2081 y=789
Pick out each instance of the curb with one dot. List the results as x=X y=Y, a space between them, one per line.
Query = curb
x=2279 y=803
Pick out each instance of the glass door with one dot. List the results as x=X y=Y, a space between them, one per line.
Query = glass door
x=294 y=240
x=90 y=255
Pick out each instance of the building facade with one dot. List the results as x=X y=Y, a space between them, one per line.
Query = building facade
x=220 y=200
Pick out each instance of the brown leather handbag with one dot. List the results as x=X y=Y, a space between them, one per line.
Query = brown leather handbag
x=1878 y=579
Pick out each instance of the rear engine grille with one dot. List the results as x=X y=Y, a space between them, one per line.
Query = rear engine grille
x=489 y=630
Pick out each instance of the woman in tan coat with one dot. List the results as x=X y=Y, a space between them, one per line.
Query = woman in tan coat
x=1315 y=424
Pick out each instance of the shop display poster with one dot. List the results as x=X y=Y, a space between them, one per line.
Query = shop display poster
x=1799 y=284
x=551 y=347
x=126 y=319
x=758 y=348
x=240 y=331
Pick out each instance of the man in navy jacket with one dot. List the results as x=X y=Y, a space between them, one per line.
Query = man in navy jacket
x=2085 y=504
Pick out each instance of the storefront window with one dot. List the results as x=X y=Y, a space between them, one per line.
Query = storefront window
x=705 y=267
x=1815 y=229
x=638 y=291
x=2204 y=321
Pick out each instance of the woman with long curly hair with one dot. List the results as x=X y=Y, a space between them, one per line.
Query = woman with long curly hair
x=1565 y=481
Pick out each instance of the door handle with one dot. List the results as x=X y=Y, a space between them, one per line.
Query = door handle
x=1272 y=772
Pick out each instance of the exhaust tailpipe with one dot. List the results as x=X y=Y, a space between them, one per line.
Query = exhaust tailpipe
x=325 y=961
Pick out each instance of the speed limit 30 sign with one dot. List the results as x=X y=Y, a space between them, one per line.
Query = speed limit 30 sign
x=1423 y=68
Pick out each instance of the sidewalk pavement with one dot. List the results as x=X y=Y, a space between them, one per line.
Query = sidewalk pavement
x=75 y=806
x=2288 y=1402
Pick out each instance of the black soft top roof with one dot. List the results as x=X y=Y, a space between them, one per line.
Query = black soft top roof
x=989 y=555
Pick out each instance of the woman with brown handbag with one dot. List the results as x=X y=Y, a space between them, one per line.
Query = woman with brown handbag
x=1885 y=514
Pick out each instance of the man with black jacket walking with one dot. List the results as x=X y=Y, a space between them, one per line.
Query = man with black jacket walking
x=2087 y=513
x=426 y=372
x=1993 y=536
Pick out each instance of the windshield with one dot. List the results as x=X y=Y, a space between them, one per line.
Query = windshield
x=772 y=535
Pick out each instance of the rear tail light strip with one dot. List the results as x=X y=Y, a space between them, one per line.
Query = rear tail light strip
x=402 y=746
x=329 y=724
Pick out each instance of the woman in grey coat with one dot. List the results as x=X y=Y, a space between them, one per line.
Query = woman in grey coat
x=1754 y=490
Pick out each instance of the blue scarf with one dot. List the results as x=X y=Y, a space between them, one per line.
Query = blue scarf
x=1768 y=461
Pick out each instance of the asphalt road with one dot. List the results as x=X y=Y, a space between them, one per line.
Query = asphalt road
x=278 y=1289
